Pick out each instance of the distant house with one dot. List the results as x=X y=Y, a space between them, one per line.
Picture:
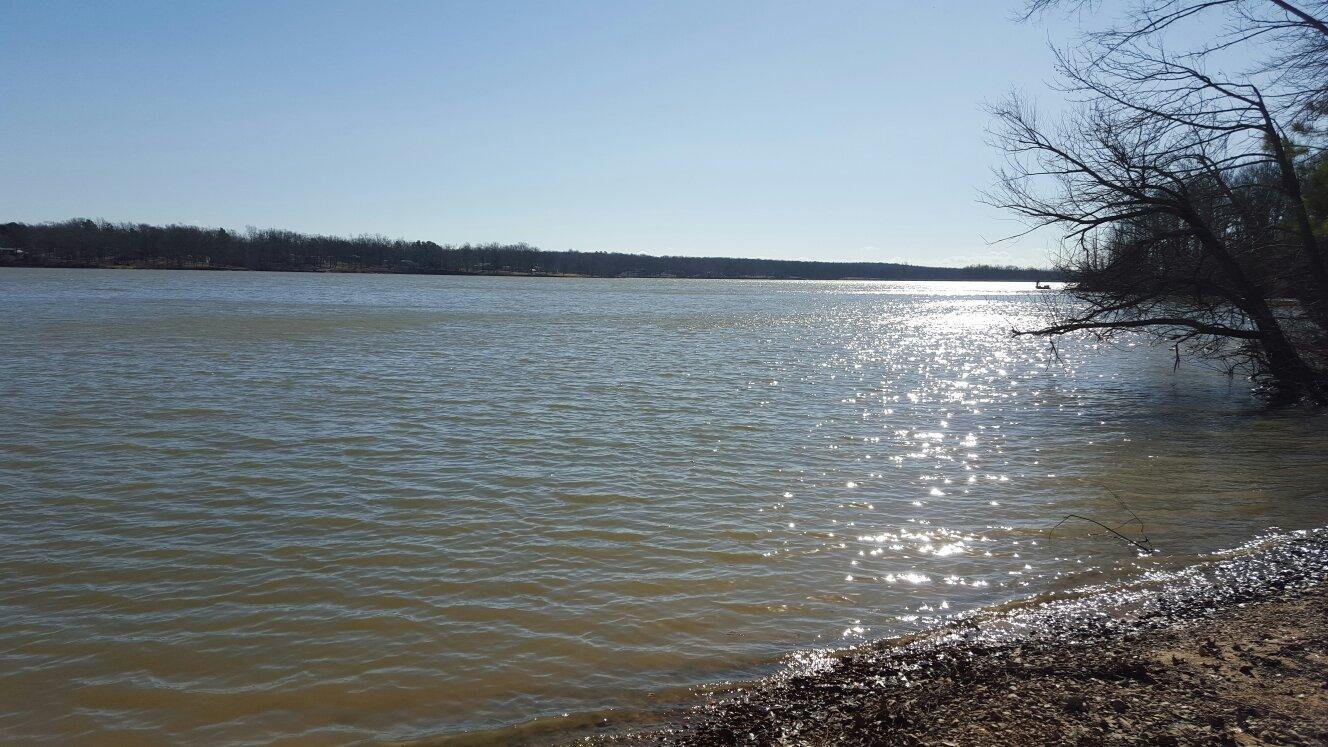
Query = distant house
x=10 y=251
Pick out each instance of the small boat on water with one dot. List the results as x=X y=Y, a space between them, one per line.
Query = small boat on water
x=1041 y=287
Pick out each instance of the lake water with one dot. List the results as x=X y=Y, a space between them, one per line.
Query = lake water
x=252 y=507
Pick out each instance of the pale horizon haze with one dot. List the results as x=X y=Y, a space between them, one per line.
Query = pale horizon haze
x=840 y=131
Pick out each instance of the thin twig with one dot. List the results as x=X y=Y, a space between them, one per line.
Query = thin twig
x=1137 y=520
x=1055 y=352
x=1142 y=548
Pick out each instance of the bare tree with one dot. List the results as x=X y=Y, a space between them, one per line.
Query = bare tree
x=1180 y=191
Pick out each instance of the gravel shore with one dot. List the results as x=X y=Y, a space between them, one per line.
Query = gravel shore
x=1229 y=652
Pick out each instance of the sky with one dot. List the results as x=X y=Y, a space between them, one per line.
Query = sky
x=802 y=130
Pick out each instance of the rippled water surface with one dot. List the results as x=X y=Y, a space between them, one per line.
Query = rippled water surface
x=249 y=507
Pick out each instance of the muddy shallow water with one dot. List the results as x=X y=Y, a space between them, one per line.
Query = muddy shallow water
x=243 y=507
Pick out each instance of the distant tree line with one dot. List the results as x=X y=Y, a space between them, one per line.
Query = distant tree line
x=95 y=243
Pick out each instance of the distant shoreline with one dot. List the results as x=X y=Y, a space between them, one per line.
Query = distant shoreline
x=100 y=244
x=302 y=271
x=490 y=273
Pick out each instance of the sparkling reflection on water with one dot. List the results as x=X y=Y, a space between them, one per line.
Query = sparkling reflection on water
x=244 y=507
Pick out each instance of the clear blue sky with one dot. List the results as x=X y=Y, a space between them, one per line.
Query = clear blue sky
x=813 y=130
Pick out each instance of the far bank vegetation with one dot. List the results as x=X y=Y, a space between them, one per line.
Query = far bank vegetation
x=90 y=243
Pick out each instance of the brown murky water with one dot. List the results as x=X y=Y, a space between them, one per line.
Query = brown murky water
x=248 y=508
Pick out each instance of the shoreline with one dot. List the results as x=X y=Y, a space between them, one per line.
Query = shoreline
x=1229 y=651
x=81 y=242
x=1250 y=675
x=489 y=273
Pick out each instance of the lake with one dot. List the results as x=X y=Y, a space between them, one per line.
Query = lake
x=255 y=507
